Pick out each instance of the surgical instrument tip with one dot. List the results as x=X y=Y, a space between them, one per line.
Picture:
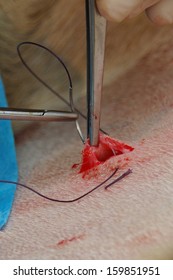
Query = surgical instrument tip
x=96 y=34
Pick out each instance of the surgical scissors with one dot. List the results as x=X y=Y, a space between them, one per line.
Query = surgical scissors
x=96 y=35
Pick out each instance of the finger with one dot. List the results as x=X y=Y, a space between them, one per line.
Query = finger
x=161 y=13
x=118 y=10
x=142 y=7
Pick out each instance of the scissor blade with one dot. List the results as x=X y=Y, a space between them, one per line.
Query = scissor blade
x=96 y=34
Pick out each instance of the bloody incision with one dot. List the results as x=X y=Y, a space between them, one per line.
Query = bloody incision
x=108 y=147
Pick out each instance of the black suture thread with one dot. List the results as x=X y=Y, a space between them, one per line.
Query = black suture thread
x=78 y=198
x=58 y=200
x=129 y=171
x=43 y=82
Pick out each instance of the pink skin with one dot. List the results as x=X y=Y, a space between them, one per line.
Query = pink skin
x=158 y=11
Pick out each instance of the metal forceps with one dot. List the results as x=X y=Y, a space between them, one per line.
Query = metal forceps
x=96 y=34
x=41 y=114
x=36 y=115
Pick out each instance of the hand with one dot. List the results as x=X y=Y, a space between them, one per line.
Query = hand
x=158 y=11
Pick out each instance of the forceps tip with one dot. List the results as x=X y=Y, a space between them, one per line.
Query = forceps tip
x=96 y=35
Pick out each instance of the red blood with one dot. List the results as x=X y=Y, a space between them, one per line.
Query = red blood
x=67 y=241
x=75 y=165
x=108 y=147
x=63 y=242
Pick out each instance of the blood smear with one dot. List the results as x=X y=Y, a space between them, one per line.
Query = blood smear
x=108 y=147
